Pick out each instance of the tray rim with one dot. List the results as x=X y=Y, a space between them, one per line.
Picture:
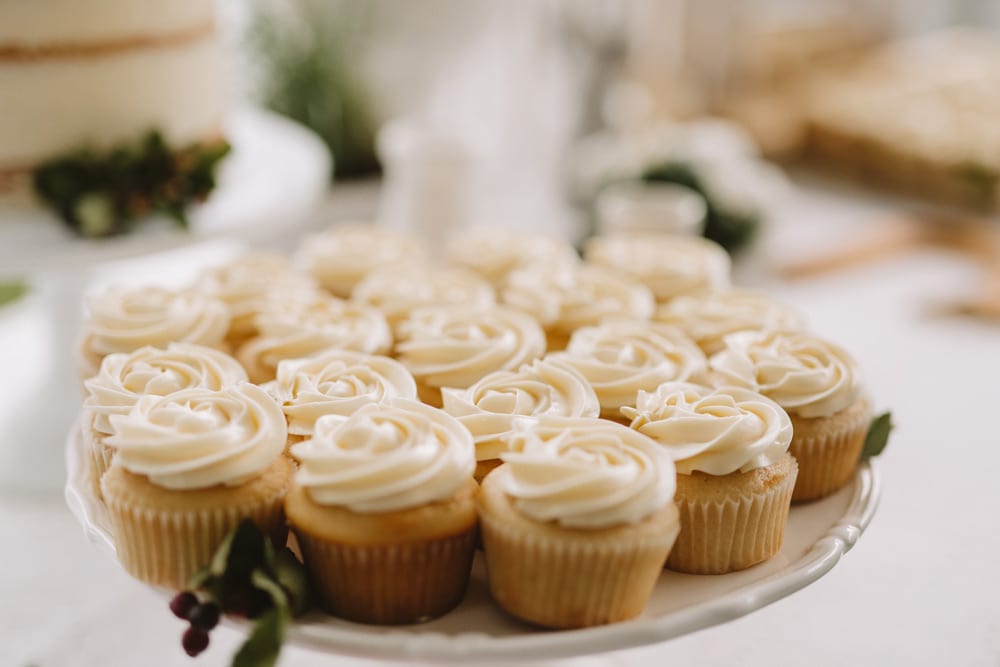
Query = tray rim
x=825 y=553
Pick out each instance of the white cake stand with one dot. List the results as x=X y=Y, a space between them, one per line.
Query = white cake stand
x=274 y=177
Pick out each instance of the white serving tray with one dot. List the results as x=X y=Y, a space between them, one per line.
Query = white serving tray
x=818 y=535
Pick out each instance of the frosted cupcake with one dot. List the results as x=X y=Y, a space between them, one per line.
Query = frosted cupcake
x=734 y=473
x=303 y=327
x=457 y=346
x=339 y=382
x=709 y=318
x=247 y=284
x=577 y=522
x=494 y=253
x=819 y=385
x=125 y=378
x=188 y=467
x=123 y=320
x=398 y=291
x=563 y=299
x=491 y=406
x=384 y=509
x=621 y=357
x=343 y=255
x=669 y=265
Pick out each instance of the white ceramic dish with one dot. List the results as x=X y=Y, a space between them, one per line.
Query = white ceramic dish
x=818 y=535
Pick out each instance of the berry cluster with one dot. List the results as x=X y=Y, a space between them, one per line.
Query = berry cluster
x=203 y=616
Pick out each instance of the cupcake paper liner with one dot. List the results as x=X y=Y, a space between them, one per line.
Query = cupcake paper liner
x=164 y=547
x=389 y=584
x=730 y=534
x=569 y=578
x=827 y=449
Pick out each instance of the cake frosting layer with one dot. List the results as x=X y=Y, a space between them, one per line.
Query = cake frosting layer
x=125 y=378
x=197 y=438
x=386 y=457
x=806 y=375
x=585 y=473
x=715 y=431
x=339 y=382
x=30 y=23
x=52 y=106
x=491 y=406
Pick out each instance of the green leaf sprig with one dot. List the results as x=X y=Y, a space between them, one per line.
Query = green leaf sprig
x=878 y=435
x=249 y=577
x=104 y=193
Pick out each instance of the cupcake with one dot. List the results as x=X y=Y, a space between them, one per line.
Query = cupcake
x=123 y=320
x=577 y=522
x=621 y=357
x=188 y=467
x=819 y=385
x=247 y=284
x=709 y=318
x=398 y=291
x=734 y=473
x=125 y=378
x=302 y=327
x=338 y=382
x=456 y=346
x=565 y=298
x=343 y=255
x=494 y=253
x=669 y=265
x=491 y=406
x=384 y=510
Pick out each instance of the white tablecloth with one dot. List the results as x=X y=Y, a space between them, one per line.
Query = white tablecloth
x=922 y=586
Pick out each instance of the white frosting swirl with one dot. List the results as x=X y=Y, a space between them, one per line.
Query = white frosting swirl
x=565 y=298
x=494 y=253
x=669 y=265
x=336 y=383
x=196 y=438
x=122 y=319
x=806 y=375
x=710 y=318
x=298 y=328
x=400 y=290
x=621 y=357
x=248 y=283
x=715 y=431
x=454 y=346
x=490 y=406
x=125 y=377
x=585 y=473
x=386 y=457
x=343 y=255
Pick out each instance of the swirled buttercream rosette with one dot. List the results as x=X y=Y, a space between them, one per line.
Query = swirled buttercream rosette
x=819 y=385
x=189 y=467
x=123 y=320
x=298 y=328
x=577 y=522
x=490 y=407
x=735 y=477
x=384 y=510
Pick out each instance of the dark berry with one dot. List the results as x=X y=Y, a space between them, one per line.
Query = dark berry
x=182 y=604
x=204 y=616
x=194 y=641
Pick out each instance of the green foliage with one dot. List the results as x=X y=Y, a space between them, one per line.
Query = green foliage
x=730 y=229
x=247 y=571
x=12 y=291
x=878 y=435
x=309 y=62
x=104 y=193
